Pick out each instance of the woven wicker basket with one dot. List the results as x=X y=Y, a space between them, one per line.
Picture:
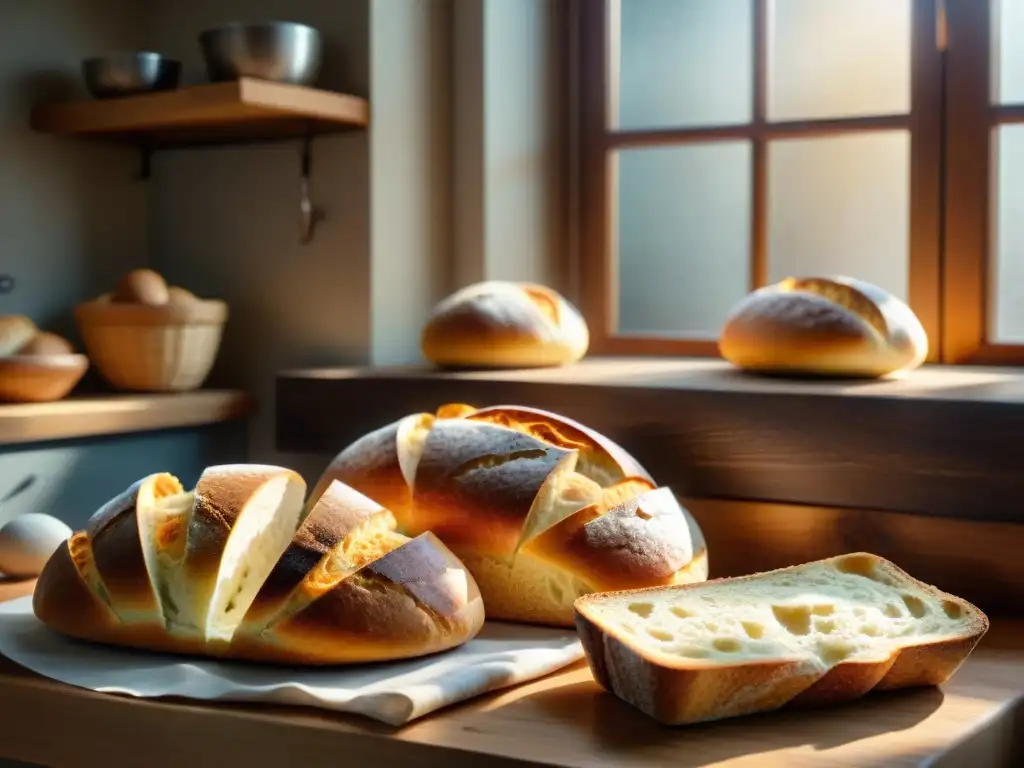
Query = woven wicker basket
x=40 y=378
x=140 y=348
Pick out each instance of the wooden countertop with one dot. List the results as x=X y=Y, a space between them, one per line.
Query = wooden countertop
x=562 y=720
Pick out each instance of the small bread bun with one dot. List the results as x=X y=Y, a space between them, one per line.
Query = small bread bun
x=15 y=332
x=817 y=326
x=141 y=286
x=498 y=324
x=46 y=343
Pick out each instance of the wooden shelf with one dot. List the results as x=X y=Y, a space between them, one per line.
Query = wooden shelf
x=944 y=441
x=78 y=417
x=242 y=110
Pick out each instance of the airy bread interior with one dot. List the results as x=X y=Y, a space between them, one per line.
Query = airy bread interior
x=564 y=493
x=257 y=541
x=163 y=530
x=848 y=609
x=411 y=439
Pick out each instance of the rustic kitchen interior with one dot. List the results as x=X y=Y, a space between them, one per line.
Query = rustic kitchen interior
x=358 y=360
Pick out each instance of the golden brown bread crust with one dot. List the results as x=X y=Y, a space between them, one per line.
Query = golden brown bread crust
x=417 y=599
x=338 y=512
x=836 y=326
x=601 y=458
x=675 y=690
x=115 y=540
x=475 y=483
x=406 y=598
x=64 y=601
x=499 y=324
x=646 y=541
x=372 y=466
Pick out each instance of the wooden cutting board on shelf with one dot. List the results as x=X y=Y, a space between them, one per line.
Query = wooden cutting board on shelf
x=562 y=720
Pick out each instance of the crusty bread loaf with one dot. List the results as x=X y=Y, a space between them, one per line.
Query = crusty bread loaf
x=817 y=326
x=500 y=324
x=539 y=508
x=227 y=571
x=808 y=635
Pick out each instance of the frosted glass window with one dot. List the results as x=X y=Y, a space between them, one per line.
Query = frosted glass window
x=1006 y=268
x=1008 y=18
x=841 y=205
x=683 y=237
x=683 y=63
x=838 y=58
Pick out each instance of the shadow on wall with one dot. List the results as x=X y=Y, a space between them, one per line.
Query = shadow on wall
x=71 y=480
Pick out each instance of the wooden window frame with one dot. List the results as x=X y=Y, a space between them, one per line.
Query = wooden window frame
x=970 y=120
x=595 y=267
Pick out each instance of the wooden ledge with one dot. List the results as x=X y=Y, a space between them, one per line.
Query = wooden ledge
x=944 y=441
x=93 y=416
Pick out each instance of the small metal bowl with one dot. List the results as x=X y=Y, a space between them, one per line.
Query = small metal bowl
x=282 y=51
x=129 y=74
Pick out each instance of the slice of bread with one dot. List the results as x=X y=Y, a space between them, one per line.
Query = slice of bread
x=811 y=634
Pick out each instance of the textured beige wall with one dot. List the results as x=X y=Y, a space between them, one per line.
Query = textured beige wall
x=225 y=221
x=410 y=171
x=72 y=220
x=72 y=216
x=508 y=167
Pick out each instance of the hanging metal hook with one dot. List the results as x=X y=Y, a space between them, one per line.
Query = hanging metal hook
x=311 y=214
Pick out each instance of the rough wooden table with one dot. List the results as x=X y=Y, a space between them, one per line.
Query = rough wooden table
x=562 y=720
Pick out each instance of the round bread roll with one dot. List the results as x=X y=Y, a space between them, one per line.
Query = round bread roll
x=497 y=324
x=46 y=343
x=15 y=332
x=141 y=286
x=539 y=508
x=816 y=326
x=181 y=297
x=226 y=571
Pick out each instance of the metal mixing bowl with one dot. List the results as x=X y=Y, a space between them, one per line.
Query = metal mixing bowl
x=282 y=51
x=128 y=74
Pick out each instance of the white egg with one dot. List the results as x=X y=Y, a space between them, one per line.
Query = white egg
x=27 y=541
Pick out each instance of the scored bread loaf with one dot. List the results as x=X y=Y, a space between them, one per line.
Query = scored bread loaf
x=500 y=324
x=817 y=326
x=242 y=568
x=808 y=635
x=539 y=508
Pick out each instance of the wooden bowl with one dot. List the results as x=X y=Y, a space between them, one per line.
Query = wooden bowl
x=40 y=378
x=142 y=348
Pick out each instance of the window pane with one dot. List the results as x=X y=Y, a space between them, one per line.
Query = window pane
x=683 y=62
x=841 y=205
x=838 y=58
x=684 y=237
x=1008 y=18
x=1006 y=268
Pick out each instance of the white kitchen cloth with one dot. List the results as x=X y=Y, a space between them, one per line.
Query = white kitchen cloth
x=500 y=656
